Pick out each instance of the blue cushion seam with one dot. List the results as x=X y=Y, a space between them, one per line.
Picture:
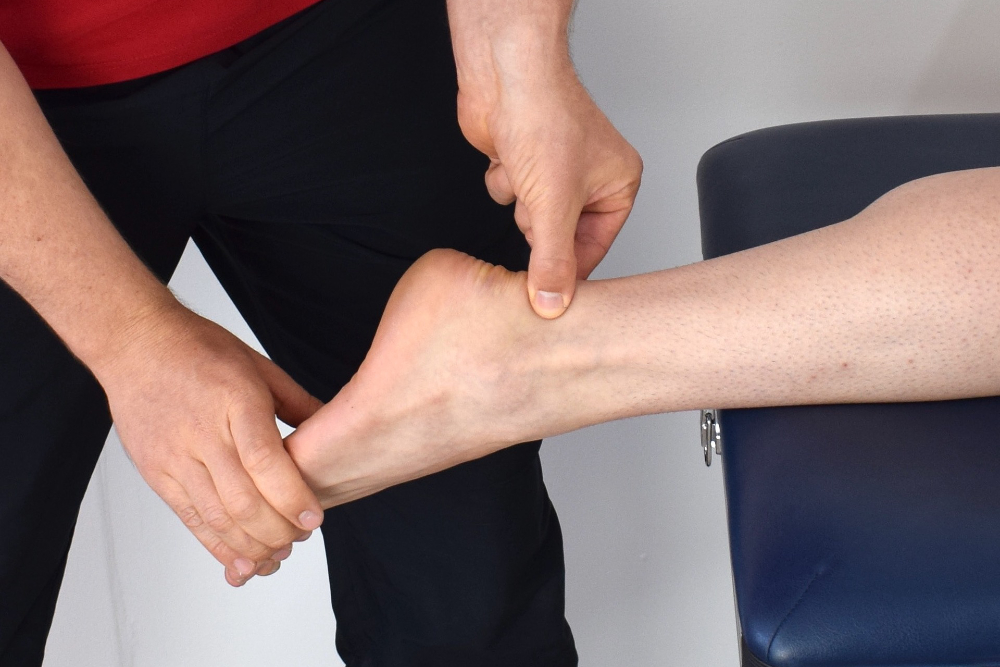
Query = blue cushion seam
x=788 y=615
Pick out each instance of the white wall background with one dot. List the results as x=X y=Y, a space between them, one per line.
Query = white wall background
x=646 y=549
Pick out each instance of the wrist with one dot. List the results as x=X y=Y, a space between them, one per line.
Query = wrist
x=518 y=88
x=515 y=57
x=154 y=320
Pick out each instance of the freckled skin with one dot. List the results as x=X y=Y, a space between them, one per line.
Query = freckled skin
x=572 y=174
x=872 y=295
x=189 y=400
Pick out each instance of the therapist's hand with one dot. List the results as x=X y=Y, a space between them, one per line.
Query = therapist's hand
x=195 y=410
x=573 y=177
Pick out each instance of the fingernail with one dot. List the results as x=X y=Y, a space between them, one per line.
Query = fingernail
x=244 y=566
x=274 y=567
x=549 y=301
x=282 y=554
x=303 y=537
x=310 y=520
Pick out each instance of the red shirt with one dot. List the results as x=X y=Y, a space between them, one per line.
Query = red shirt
x=72 y=43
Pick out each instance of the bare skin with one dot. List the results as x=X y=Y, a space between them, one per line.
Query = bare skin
x=222 y=467
x=573 y=177
x=900 y=303
x=194 y=406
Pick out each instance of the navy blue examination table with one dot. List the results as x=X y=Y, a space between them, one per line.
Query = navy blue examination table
x=861 y=535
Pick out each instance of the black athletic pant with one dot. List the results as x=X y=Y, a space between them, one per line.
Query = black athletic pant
x=312 y=164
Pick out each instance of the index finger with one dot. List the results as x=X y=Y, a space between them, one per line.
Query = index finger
x=595 y=233
x=274 y=474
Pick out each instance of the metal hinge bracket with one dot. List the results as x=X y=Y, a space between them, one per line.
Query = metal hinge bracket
x=711 y=435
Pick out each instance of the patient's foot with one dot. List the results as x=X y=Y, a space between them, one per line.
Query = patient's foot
x=460 y=367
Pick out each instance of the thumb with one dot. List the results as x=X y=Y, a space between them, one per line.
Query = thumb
x=552 y=267
x=292 y=404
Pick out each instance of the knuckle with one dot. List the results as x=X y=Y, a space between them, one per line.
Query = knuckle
x=244 y=394
x=258 y=552
x=247 y=546
x=555 y=266
x=522 y=219
x=190 y=517
x=219 y=550
x=498 y=186
x=500 y=195
x=277 y=535
x=277 y=544
x=218 y=519
x=243 y=507
x=285 y=536
x=259 y=458
x=635 y=162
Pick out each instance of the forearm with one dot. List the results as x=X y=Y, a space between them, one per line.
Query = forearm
x=505 y=48
x=57 y=248
x=900 y=303
x=491 y=38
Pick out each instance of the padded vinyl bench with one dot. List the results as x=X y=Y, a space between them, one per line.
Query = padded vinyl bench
x=861 y=535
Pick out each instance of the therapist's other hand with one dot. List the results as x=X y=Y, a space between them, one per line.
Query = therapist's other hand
x=194 y=408
x=573 y=176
